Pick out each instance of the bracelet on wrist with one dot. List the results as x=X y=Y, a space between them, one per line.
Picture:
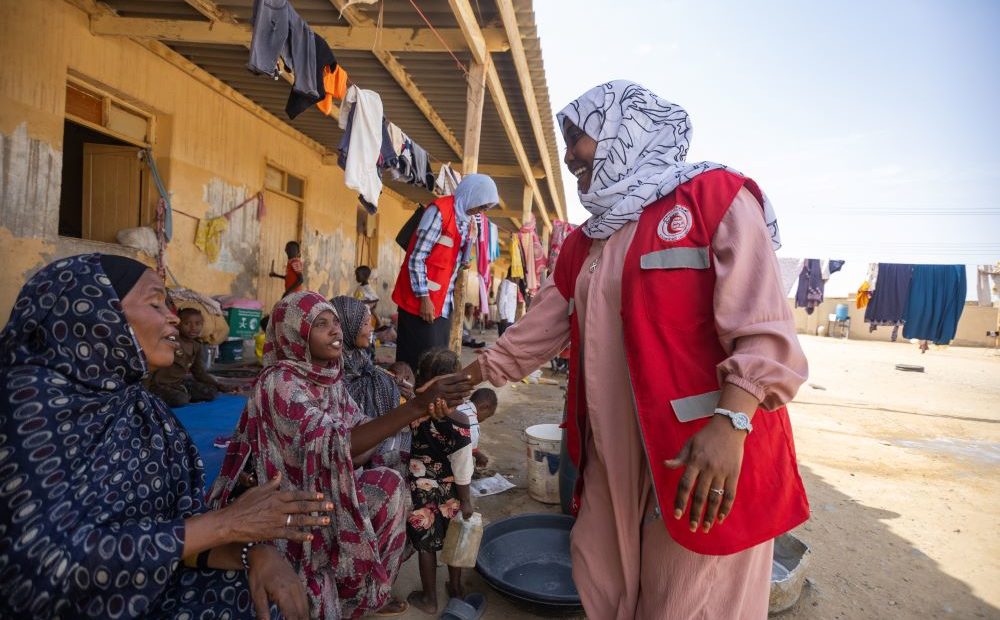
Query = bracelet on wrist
x=245 y=554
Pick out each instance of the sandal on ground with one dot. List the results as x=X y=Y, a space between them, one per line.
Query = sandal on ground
x=472 y=607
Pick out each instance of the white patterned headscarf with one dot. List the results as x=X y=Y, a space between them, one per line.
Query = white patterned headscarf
x=642 y=141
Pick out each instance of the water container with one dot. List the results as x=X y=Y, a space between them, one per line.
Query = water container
x=841 y=312
x=543 y=443
x=461 y=542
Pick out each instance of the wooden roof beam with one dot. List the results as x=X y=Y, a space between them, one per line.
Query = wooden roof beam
x=399 y=73
x=509 y=18
x=224 y=32
x=209 y=9
x=467 y=20
x=503 y=170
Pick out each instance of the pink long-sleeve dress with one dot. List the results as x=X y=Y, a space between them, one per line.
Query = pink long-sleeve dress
x=625 y=564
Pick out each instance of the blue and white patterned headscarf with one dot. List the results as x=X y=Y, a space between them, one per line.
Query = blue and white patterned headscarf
x=96 y=473
x=642 y=142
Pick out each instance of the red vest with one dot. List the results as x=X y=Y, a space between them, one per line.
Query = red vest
x=440 y=263
x=672 y=350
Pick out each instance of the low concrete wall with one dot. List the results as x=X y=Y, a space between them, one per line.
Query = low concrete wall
x=972 y=327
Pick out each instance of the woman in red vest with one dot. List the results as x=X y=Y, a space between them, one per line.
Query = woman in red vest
x=683 y=355
x=427 y=278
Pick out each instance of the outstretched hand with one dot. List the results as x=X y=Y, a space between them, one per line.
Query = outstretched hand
x=453 y=389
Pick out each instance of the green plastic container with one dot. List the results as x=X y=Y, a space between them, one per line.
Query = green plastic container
x=231 y=351
x=243 y=323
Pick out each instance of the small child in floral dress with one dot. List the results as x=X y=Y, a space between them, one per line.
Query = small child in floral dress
x=441 y=467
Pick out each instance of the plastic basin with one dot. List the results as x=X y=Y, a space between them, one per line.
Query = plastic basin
x=527 y=558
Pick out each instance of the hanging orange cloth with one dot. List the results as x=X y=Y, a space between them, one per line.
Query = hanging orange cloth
x=335 y=85
x=863 y=296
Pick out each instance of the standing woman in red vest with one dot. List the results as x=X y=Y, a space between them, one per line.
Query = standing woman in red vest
x=683 y=355
x=426 y=280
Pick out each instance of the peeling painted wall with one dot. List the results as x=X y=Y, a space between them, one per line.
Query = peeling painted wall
x=329 y=263
x=30 y=180
x=239 y=253
x=210 y=152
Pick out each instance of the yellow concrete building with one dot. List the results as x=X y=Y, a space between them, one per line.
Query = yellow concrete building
x=86 y=87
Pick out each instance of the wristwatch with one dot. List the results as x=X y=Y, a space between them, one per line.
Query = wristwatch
x=741 y=421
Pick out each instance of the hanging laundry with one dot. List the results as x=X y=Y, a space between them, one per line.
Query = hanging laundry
x=277 y=30
x=403 y=172
x=360 y=146
x=830 y=267
x=516 y=262
x=447 y=181
x=422 y=175
x=298 y=102
x=863 y=296
x=867 y=288
x=484 y=299
x=208 y=236
x=335 y=87
x=387 y=155
x=397 y=137
x=482 y=247
x=810 y=291
x=790 y=269
x=888 y=302
x=935 y=303
x=984 y=292
x=528 y=252
x=872 y=276
x=494 y=242
x=560 y=230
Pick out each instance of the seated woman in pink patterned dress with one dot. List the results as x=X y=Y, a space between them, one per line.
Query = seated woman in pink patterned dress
x=301 y=422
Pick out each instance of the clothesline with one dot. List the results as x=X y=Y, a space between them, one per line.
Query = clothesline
x=319 y=78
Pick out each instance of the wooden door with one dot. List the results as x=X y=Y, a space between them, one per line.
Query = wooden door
x=280 y=225
x=112 y=187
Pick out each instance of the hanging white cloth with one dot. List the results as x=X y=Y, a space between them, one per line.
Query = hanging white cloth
x=790 y=270
x=361 y=170
x=447 y=180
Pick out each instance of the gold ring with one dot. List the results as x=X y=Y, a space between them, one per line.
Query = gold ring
x=719 y=491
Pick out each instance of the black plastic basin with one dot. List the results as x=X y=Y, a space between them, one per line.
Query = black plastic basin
x=527 y=558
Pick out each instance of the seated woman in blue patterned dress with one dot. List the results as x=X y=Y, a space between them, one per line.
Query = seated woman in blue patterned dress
x=101 y=505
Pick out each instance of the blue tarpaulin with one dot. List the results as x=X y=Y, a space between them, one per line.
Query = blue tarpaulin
x=206 y=421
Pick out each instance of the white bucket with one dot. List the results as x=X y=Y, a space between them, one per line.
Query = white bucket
x=543 y=443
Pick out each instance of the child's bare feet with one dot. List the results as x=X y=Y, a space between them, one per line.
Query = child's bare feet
x=455 y=592
x=420 y=600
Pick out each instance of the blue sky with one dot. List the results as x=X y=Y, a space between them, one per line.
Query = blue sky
x=872 y=126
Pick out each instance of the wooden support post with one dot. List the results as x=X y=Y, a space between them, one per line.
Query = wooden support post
x=529 y=195
x=470 y=163
x=474 y=117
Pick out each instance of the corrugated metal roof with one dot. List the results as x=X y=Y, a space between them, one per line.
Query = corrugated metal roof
x=436 y=74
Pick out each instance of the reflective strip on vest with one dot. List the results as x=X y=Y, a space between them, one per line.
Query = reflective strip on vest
x=572 y=304
x=675 y=258
x=433 y=286
x=446 y=241
x=697 y=406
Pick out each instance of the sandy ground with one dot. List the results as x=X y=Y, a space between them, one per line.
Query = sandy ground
x=901 y=469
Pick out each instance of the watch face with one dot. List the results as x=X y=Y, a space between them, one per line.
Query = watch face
x=741 y=421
